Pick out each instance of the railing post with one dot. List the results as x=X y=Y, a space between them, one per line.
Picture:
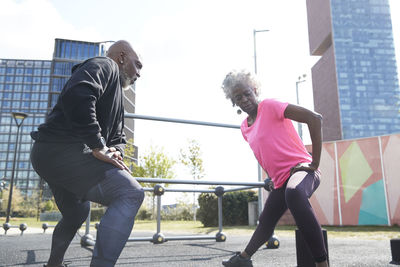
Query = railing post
x=158 y=237
x=220 y=213
x=87 y=228
x=158 y=214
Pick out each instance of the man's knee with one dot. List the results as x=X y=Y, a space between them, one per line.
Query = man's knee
x=132 y=199
x=138 y=196
x=77 y=218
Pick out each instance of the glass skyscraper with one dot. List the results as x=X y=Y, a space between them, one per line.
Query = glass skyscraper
x=33 y=87
x=355 y=40
x=24 y=87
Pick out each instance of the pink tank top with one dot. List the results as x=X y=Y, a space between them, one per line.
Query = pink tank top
x=274 y=141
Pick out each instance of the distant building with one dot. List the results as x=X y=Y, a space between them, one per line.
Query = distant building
x=355 y=83
x=33 y=87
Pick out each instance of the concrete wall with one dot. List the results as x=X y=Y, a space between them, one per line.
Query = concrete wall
x=319 y=26
x=360 y=183
x=326 y=98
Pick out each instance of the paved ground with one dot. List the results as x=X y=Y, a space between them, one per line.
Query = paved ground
x=32 y=249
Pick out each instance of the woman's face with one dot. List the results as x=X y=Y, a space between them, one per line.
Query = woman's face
x=245 y=98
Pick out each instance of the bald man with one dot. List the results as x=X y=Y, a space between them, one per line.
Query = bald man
x=78 y=151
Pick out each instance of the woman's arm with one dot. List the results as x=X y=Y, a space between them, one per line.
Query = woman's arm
x=314 y=123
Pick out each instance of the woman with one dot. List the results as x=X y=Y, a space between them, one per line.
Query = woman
x=279 y=150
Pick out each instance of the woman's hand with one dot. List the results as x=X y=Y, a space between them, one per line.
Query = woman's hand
x=110 y=155
x=303 y=167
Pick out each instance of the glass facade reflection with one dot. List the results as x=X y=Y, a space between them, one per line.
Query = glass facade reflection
x=68 y=53
x=366 y=68
x=33 y=86
x=24 y=87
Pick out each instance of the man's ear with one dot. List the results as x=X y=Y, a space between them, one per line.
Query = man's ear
x=121 y=58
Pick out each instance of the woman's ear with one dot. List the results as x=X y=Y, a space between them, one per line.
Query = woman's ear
x=255 y=91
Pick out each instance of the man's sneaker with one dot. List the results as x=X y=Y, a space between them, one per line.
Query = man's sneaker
x=237 y=261
x=64 y=264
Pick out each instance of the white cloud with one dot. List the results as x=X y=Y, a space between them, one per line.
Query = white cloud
x=29 y=28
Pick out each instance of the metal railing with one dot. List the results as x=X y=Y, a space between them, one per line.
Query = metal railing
x=158 y=237
x=159 y=190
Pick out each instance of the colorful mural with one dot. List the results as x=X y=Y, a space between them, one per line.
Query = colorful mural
x=360 y=182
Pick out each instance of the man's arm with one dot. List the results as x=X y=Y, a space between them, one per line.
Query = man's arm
x=118 y=140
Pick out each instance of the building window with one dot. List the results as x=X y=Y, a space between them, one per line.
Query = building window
x=9 y=79
x=18 y=79
x=45 y=80
x=36 y=80
x=10 y=71
x=34 y=105
x=35 y=96
x=43 y=105
x=46 y=72
x=27 y=79
x=17 y=96
x=28 y=71
x=16 y=104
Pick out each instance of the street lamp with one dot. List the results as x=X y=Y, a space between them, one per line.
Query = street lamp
x=300 y=79
x=260 y=202
x=19 y=118
x=255 y=54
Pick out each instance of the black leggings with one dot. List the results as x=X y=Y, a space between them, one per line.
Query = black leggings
x=293 y=195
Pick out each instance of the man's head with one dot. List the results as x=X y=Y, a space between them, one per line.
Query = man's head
x=128 y=62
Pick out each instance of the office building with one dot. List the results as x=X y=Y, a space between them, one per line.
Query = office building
x=355 y=82
x=33 y=87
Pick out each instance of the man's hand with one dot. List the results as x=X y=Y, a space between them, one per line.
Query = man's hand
x=303 y=167
x=110 y=155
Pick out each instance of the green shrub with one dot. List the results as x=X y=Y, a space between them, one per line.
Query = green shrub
x=143 y=214
x=96 y=213
x=208 y=210
x=234 y=208
x=48 y=205
x=182 y=212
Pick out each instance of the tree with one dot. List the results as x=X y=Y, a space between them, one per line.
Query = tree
x=129 y=154
x=16 y=202
x=154 y=164
x=191 y=158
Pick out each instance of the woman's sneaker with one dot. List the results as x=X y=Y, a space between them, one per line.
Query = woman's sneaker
x=237 y=261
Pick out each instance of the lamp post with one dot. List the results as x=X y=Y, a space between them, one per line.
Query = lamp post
x=300 y=79
x=19 y=118
x=255 y=53
x=260 y=202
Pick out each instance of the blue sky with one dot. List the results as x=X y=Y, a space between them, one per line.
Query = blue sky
x=187 y=48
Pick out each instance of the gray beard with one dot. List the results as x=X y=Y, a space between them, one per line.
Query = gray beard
x=125 y=81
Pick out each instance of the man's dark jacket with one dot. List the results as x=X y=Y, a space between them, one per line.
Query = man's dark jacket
x=89 y=108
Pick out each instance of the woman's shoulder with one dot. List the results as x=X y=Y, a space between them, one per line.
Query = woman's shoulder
x=268 y=102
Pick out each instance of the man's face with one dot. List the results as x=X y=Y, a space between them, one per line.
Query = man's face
x=130 y=71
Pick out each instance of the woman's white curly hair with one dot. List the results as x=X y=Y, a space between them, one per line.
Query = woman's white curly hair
x=241 y=78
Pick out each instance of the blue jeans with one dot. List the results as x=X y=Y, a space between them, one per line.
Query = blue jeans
x=121 y=193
